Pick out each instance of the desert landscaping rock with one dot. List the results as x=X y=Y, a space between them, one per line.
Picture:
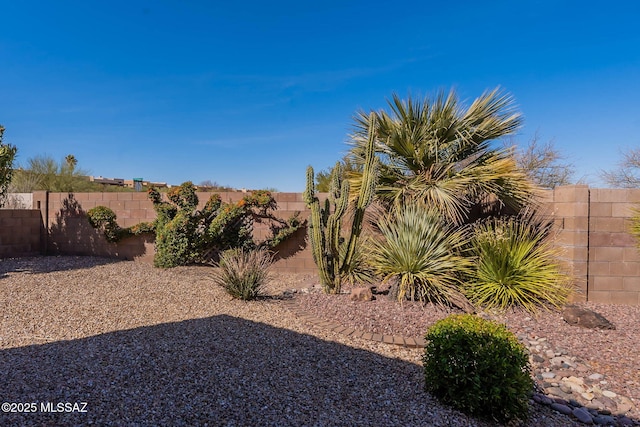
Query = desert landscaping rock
x=583 y=317
x=147 y=346
x=568 y=382
x=361 y=294
x=582 y=415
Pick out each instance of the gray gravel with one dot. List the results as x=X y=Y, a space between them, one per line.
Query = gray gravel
x=150 y=347
x=613 y=353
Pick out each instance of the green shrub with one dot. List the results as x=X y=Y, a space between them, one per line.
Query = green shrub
x=423 y=254
x=516 y=265
x=176 y=241
x=103 y=218
x=186 y=235
x=243 y=273
x=478 y=367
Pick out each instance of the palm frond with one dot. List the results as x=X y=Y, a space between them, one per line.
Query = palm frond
x=435 y=151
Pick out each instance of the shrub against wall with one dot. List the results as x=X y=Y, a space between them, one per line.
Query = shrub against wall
x=185 y=235
x=7 y=154
x=103 y=218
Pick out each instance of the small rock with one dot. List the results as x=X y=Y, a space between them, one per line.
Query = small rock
x=575 y=403
x=587 y=396
x=561 y=401
x=548 y=375
x=595 y=377
x=625 y=421
x=564 y=374
x=563 y=409
x=572 y=387
x=609 y=394
x=361 y=294
x=595 y=404
x=608 y=402
x=602 y=420
x=537 y=359
x=581 y=368
x=561 y=361
x=623 y=408
x=537 y=397
x=575 y=380
x=583 y=317
x=547 y=400
x=566 y=387
x=583 y=415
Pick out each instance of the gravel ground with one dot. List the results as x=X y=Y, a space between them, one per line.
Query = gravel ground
x=148 y=347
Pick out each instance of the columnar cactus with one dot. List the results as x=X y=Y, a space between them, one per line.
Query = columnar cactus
x=326 y=222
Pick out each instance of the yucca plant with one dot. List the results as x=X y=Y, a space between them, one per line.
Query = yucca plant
x=422 y=253
x=243 y=273
x=516 y=265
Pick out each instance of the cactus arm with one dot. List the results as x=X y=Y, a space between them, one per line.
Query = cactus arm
x=316 y=232
x=365 y=196
x=325 y=228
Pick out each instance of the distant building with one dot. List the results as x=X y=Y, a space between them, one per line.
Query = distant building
x=107 y=181
x=131 y=183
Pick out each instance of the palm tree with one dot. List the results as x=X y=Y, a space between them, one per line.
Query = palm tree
x=437 y=153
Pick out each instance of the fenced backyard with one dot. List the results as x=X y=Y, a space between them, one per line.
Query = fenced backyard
x=592 y=230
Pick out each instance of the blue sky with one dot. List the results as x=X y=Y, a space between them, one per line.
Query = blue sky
x=248 y=94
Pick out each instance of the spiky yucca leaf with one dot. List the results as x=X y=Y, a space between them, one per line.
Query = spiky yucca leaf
x=422 y=253
x=516 y=266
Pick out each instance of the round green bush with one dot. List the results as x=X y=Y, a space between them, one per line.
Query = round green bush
x=479 y=367
x=104 y=218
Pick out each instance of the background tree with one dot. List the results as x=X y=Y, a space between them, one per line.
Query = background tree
x=323 y=178
x=438 y=153
x=543 y=163
x=45 y=173
x=7 y=155
x=208 y=185
x=627 y=175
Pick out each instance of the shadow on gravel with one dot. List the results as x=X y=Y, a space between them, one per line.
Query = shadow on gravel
x=217 y=371
x=48 y=264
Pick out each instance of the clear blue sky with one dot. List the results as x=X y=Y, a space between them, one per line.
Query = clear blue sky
x=247 y=94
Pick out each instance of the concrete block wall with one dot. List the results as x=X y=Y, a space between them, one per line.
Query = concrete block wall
x=569 y=207
x=20 y=231
x=614 y=258
x=70 y=232
x=592 y=232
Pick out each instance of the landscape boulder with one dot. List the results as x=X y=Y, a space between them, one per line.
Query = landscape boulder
x=361 y=294
x=579 y=316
